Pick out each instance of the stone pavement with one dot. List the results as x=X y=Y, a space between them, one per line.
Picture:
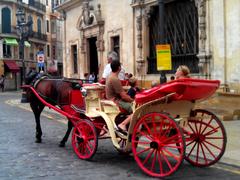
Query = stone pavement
x=232 y=153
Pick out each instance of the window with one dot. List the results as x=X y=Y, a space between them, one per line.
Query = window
x=6 y=20
x=115 y=46
x=53 y=26
x=31 y=27
x=53 y=52
x=181 y=32
x=74 y=58
x=6 y=51
x=47 y=22
x=39 y=26
x=48 y=51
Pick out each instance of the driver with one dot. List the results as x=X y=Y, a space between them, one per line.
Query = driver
x=116 y=93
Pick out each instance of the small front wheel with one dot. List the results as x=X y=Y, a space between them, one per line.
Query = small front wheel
x=158 y=144
x=84 y=139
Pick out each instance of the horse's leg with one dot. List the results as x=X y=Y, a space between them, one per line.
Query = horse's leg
x=37 y=108
x=65 y=138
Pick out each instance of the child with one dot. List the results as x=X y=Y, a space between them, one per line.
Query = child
x=134 y=89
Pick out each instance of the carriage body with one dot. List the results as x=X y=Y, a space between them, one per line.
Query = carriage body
x=165 y=113
x=165 y=128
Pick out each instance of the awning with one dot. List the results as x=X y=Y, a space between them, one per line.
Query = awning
x=27 y=44
x=11 y=41
x=12 y=65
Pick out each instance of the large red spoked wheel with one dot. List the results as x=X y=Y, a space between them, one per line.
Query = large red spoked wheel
x=158 y=144
x=205 y=138
x=84 y=139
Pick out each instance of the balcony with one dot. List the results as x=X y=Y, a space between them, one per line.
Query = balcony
x=39 y=36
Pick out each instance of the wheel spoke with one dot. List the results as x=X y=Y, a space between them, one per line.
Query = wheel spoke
x=169 y=140
x=207 y=125
x=192 y=149
x=143 y=151
x=146 y=135
x=192 y=128
x=204 y=155
x=154 y=159
x=197 y=155
x=190 y=142
x=148 y=130
x=140 y=142
x=154 y=126
x=209 y=150
x=148 y=156
x=171 y=154
x=166 y=160
x=214 y=137
x=213 y=145
x=160 y=162
x=212 y=131
x=88 y=147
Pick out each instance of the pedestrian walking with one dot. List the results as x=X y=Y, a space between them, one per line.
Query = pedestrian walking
x=2 y=80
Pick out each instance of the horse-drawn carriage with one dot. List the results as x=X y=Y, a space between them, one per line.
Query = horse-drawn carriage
x=165 y=128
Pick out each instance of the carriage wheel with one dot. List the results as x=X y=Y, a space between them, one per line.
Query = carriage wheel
x=84 y=139
x=154 y=146
x=205 y=138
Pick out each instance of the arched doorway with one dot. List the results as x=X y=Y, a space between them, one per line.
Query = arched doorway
x=93 y=56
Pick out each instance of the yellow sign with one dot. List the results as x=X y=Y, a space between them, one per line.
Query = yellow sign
x=164 y=58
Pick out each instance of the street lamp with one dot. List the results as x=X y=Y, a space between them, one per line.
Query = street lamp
x=23 y=30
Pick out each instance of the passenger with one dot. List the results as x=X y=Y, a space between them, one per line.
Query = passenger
x=172 y=78
x=91 y=78
x=115 y=92
x=134 y=89
x=154 y=83
x=182 y=72
x=112 y=56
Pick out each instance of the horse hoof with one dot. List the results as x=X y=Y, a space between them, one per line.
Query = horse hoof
x=61 y=144
x=38 y=141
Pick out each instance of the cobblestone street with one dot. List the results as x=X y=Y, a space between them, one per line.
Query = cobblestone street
x=22 y=158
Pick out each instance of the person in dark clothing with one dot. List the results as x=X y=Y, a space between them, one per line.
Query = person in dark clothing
x=2 y=79
x=134 y=89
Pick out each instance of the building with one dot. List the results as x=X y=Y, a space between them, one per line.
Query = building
x=203 y=34
x=46 y=35
x=10 y=64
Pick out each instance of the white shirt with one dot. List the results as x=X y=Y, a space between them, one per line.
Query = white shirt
x=107 y=71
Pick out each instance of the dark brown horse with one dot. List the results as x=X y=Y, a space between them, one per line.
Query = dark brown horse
x=53 y=91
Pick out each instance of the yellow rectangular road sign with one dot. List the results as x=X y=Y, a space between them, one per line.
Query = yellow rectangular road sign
x=164 y=58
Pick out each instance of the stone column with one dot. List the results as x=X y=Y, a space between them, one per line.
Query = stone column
x=140 y=60
x=204 y=58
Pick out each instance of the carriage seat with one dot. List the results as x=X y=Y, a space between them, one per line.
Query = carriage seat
x=185 y=89
x=108 y=106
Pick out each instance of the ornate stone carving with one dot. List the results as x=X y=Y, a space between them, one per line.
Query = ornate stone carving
x=139 y=31
x=90 y=24
x=203 y=57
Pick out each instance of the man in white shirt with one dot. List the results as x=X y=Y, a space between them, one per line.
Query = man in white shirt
x=112 y=56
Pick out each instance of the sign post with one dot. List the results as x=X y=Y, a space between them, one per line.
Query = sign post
x=164 y=60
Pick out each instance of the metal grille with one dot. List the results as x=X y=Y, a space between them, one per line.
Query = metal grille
x=181 y=32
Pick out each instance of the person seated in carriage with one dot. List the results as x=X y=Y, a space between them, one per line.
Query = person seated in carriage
x=182 y=72
x=115 y=92
x=134 y=89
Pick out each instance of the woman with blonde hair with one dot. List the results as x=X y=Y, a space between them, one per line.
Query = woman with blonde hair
x=182 y=72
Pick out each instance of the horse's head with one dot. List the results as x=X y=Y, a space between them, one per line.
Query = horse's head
x=31 y=75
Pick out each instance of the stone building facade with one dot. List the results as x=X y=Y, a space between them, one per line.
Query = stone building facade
x=203 y=34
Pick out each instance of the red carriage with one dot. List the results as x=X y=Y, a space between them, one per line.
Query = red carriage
x=165 y=128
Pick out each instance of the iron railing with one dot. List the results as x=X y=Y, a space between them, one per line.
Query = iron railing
x=181 y=32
